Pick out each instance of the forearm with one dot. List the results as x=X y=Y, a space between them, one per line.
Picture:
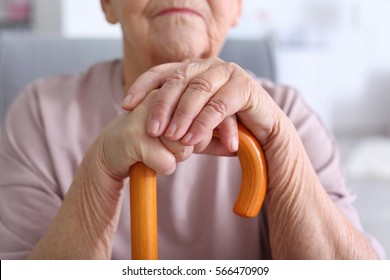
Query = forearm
x=303 y=221
x=87 y=219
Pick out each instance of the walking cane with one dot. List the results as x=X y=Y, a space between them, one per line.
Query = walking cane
x=143 y=195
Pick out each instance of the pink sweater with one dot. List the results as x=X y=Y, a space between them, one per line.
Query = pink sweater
x=52 y=123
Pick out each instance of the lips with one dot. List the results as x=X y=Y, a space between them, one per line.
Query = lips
x=178 y=10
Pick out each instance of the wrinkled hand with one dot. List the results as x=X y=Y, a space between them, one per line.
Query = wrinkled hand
x=194 y=98
x=197 y=97
x=125 y=141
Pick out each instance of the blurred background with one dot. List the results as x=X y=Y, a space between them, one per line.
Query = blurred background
x=335 y=52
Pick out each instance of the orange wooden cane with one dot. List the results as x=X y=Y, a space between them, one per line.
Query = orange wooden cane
x=143 y=195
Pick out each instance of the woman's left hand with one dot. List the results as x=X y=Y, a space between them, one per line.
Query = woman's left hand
x=197 y=97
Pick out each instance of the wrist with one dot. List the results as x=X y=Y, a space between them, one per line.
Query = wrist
x=285 y=156
x=89 y=213
x=99 y=196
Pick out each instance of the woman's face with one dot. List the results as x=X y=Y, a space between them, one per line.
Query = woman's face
x=173 y=30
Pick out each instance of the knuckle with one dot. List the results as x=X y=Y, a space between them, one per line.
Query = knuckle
x=154 y=74
x=154 y=71
x=177 y=77
x=201 y=87
x=182 y=114
x=217 y=106
x=232 y=67
x=194 y=66
x=159 y=105
x=202 y=125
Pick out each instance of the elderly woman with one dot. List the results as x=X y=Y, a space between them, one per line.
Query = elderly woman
x=68 y=143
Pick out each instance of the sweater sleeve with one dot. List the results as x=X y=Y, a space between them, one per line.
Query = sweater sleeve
x=28 y=194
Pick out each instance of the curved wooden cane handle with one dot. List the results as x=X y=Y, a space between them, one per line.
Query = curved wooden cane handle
x=254 y=175
x=143 y=195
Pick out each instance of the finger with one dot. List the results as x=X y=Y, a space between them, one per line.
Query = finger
x=157 y=157
x=143 y=148
x=165 y=103
x=233 y=97
x=198 y=93
x=169 y=95
x=214 y=148
x=228 y=133
x=152 y=79
x=225 y=140
x=180 y=151
x=213 y=143
x=203 y=144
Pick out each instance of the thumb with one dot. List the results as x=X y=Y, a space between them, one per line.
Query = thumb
x=159 y=158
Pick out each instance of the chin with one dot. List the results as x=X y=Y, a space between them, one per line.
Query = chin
x=180 y=49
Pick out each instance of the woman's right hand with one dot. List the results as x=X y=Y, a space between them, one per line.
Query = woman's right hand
x=124 y=141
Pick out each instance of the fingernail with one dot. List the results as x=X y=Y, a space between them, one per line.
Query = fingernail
x=234 y=144
x=153 y=126
x=127 y=100
x=187 y=138
x=171 y=130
